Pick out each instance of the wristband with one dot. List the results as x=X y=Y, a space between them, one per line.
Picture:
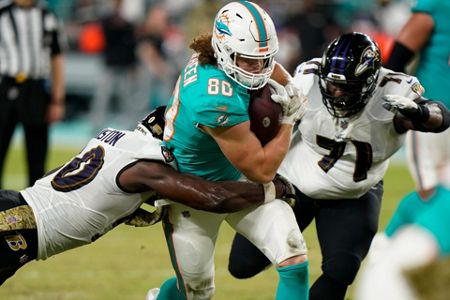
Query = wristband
x=269 y=192
x=399 y=58
x=422 y=114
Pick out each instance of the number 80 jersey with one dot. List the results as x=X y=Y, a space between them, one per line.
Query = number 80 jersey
x=82 y=200
x=342 y=158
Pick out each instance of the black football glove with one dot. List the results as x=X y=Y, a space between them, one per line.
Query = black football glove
x=155 y=121
x=288 y=190
x=142 y=218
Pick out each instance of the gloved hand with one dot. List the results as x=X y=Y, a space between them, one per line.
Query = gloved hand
x=155 y=121
x=143 y=218
x=288 y=189
x=396 y=103
x=298 y=99
x=291 y=99
x=407 y=107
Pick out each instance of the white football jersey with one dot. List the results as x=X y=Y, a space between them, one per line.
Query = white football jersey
x=343 y=158
x=81 y=201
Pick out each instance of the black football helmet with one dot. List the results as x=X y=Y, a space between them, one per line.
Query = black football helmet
x=350 y=66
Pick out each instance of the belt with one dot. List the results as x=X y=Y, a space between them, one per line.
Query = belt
x=20 y=78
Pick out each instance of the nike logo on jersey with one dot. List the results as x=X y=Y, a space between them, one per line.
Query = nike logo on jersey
x=222 y=108
x=409 y=81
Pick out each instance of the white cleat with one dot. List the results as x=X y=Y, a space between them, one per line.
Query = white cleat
x=152 y=294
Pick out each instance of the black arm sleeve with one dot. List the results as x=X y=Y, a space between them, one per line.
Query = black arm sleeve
x=399 y=58
x=436 y=110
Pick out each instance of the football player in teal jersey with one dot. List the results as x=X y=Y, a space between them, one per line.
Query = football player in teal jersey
x=427 y=33
x=416 y=236
x=208 y=129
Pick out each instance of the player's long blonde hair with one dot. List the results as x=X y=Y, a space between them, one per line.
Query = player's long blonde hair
x=202 y=45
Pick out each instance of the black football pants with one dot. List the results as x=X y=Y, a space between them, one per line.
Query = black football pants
x=36 y=135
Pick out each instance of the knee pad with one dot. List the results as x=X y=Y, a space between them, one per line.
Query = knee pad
x=342 y=267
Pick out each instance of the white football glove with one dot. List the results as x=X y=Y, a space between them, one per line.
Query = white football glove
x=395 y=103
x=298 y=101
x=291 y=99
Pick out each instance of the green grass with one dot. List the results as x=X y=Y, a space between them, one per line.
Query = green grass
x=127 y=261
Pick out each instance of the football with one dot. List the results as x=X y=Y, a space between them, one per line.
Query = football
x=264 y=115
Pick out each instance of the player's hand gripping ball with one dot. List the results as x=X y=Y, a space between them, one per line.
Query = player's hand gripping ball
x=264 y=114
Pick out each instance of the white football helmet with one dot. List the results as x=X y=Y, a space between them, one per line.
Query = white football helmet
x=244 y=29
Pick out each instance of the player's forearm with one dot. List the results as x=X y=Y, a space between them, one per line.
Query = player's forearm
x=218 y=197
x=277 y=148
x=432 y=116
x=280 y=74
x=58 y=89
x=261 y=165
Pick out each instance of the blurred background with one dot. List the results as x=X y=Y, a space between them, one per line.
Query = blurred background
x=123 y=56
x=152 y=40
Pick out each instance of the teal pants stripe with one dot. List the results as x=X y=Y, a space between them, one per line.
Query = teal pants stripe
x=170 y=288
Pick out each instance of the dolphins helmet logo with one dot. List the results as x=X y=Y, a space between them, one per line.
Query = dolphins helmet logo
x=221 y=26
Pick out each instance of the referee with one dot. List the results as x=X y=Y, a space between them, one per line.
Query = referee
x=31 y=79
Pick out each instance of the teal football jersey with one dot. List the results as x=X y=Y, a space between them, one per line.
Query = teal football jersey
x=431 y=214
x=204 y=95
x=433 y=70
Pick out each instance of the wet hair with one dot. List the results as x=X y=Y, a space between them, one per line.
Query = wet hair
x=201 y=44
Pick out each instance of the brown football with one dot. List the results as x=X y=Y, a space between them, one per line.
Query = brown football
x=264 y=114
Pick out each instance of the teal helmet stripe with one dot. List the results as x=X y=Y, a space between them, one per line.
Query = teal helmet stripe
x=259 y=23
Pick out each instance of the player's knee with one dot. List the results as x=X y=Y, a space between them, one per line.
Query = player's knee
x=298 y=259
x=201 y=289
x=342 y=268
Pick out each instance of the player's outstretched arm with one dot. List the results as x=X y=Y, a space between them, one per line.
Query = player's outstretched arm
x=193 y=191
x=422 y=114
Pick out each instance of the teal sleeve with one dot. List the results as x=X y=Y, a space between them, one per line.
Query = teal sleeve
x=220 y=112
x=395 y=223
x=426 y=6
x=214 y=118
x=404 y=214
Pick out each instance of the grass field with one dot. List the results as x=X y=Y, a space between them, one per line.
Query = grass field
x=128 y=261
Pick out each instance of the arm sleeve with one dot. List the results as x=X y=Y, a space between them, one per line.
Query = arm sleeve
x=399 y=58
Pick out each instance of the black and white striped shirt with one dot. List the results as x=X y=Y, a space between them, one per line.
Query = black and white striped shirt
x=29 y=37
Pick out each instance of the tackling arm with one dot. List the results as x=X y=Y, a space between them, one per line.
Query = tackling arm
x=193 y=191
